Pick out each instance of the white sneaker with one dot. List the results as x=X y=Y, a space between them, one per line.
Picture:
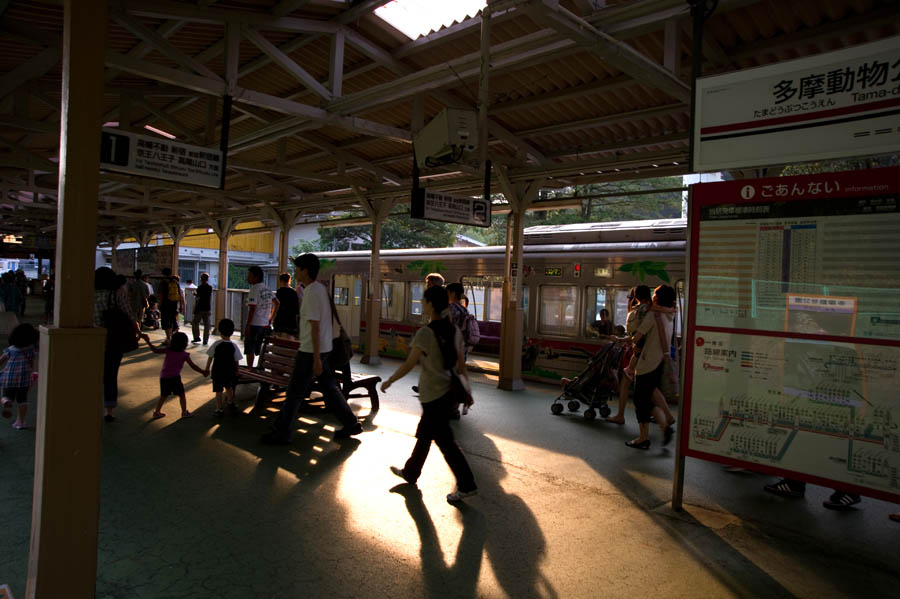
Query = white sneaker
x=460 y=495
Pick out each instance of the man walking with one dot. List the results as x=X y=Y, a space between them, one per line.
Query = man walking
x=202 y=309
x=312 y=361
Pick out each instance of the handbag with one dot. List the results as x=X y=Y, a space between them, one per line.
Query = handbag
x=341 y=346
x=460 y=393
x=668 y=382
x=119 y=328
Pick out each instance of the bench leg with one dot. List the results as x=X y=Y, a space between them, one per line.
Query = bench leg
x=373 y=397
x=261 y=398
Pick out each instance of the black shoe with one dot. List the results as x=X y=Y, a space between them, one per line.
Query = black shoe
x=348 y=431
x=195 y=341
x=841 y=501
x=638 y=444
x=786 y=488
x=415 y=388
x=668 y=434
x=271 y=438
x=454 y=414
x=399 y=472
x=232 y=409
x=109 y=418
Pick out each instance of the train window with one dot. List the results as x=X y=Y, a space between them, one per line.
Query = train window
x=475 y=293
x=495 y=304
x=415 y=298
x=525 y=304
x=392 y=301
x=595 y=299
x=357 y=292
x=558 y=310
x=341 y=296
x=621 y=306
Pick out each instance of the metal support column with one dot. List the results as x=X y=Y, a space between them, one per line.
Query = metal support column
x=377 y=212
x=62 y=560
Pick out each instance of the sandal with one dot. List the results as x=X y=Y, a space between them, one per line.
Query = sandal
x=158 y=415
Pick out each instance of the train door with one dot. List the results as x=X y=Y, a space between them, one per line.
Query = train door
x=348 y=301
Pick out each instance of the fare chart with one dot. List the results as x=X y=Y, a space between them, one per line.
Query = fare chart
x=793 y=357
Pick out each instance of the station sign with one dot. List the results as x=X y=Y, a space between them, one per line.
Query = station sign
x=832 y=105
x=431 y=205
x=146 y=156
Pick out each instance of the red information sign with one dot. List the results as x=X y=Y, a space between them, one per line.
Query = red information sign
x=792 y=348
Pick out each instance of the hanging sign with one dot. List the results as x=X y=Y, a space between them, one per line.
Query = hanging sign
x=832 y=105
x=793 y=345
x=446 y=208
x=147 y=156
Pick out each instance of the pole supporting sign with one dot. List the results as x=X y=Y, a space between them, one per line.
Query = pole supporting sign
x=832 y=105
x=147 y=156
x=431 y=205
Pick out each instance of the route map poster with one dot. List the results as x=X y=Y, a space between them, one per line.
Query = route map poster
x=793 y=344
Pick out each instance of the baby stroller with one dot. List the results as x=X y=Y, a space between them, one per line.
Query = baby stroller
x=152 y=317
x=594 y=386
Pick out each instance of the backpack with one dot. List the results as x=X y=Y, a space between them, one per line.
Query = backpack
x=471 y=333
x=173 y=294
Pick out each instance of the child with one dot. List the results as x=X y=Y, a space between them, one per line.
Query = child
x=17 y=364
x=170 y=376
x=151 y=315
x=224 y=356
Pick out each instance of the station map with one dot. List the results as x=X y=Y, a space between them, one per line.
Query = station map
x=796 y=360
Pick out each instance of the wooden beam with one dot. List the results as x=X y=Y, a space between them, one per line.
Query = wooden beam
x=336 y=74
x=286 y=7
x=164 y=9
x=30 y=69
x=287 y=63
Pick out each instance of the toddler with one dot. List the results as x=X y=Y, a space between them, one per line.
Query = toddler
x=170 y=376
x=224 y=356
x=17 y=370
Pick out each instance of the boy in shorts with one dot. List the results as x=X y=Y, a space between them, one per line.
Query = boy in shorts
x=224 y=356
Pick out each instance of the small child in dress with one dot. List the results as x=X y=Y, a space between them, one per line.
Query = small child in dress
x=224 y=356
x=17 y=371
x=170 y=376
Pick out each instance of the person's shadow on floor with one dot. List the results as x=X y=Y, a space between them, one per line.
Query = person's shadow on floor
x=459 y=580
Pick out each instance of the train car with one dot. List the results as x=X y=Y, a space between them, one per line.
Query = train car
x=571 y=272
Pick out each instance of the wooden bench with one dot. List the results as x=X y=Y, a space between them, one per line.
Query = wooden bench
x=276 y=364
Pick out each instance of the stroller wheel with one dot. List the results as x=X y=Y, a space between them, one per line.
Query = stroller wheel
x=590 y=414
x=574 y=405
x=605 y=411
x=556 y=408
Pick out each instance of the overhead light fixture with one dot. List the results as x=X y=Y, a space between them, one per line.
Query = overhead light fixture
x=159 y=131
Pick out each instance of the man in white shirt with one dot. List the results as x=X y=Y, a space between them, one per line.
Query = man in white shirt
x=312 y=361
x=261 y=304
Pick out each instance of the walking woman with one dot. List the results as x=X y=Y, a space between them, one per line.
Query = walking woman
x=107 y=299
x=438 y=347
x=650 y=367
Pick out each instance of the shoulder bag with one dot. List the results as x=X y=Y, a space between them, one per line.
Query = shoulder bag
x=341 y=347
x=668 y=383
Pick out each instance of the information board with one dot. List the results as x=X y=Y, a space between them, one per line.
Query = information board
x=431 y=205
x=793 y=343
x=152 y=260
x=160 y=158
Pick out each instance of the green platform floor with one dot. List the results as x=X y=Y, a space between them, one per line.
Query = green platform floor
x=199 y=509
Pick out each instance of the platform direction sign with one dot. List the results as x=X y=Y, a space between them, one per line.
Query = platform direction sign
x=432 y=205
x=158 y=158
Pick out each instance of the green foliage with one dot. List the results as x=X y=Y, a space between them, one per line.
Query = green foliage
x=237 y=276
x=646 y=268
x=327 y=263
x=424 y=267
x=399 y=231
x=304 y=246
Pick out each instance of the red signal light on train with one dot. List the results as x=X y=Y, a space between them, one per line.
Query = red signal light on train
x=577 y=270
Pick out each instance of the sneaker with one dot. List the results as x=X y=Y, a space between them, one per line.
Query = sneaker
x=19 y=426
x=109 y=418
x=158 y=415
x=348 y=431
x=7 y=408
x=195 y=341
x=841 y=501
x=399 y=472
x=187 y=414
x=786 y=488
x=219 y=413
x=415 y=388
x=271 y=438
x=458 y=495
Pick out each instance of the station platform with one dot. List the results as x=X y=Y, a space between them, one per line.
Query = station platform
x=198 y=508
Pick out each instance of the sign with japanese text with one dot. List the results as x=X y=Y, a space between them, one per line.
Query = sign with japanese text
x=147 y=156
x=446 y=208
x=793 y=345
x=151 y=260
x=832 y=105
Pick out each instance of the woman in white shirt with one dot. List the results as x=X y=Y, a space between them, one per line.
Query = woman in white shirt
x=650 y=368
x=438 y=347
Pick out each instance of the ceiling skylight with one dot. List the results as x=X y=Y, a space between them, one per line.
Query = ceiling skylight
x=416 y=18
